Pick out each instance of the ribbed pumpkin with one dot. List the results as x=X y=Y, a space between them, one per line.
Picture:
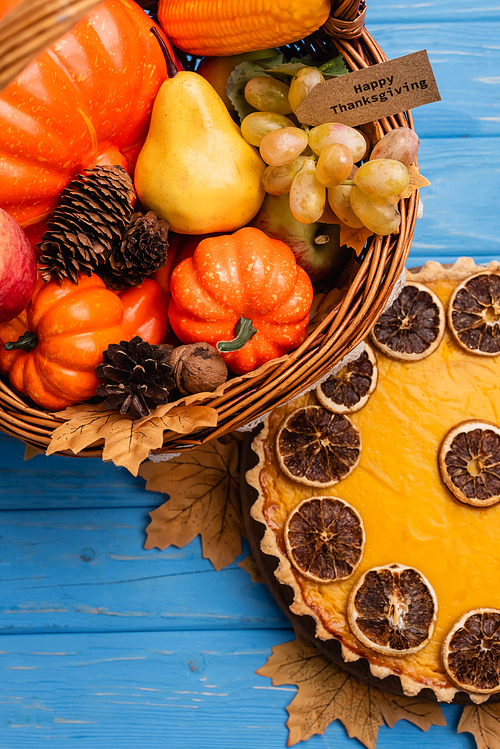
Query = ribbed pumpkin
x=85 y=100
x=71 y=326
x=228 y=27
x=68 y=327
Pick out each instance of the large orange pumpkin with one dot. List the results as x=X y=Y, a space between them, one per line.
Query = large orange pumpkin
x=86 y=100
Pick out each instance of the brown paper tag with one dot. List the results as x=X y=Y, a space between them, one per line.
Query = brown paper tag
x=372 y=93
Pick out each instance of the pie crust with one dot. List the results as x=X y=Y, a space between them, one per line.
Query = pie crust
x=410 y=517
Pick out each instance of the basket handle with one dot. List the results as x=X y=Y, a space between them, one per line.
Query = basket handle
x=30 y=26
x=347 y=19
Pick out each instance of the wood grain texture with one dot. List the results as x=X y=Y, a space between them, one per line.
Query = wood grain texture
x=150 y=689
x=61 y=482
x=461 y=204
x=435 y=11
x=465 y=59
x=81 y=570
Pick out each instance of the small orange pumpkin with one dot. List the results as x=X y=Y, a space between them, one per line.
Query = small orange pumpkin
x=244 y=294
x=68 y=327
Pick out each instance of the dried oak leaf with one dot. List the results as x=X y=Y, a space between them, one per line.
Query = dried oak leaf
x=483 y=722
x=326 y=693
x=204 y=499
x=126 y=442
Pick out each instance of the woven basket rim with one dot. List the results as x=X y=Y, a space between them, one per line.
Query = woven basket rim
x=248 y=399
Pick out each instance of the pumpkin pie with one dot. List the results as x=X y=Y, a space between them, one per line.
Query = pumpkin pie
x=405 y=514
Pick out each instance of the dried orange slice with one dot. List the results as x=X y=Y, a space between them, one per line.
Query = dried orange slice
x=324 y=538
x=471 y=651
x=393 y=609
x=349 y=390
x=474 y=314
x=469 y=463
x=316 y=447
x=413 y=326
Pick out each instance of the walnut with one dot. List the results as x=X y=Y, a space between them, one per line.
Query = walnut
x=198 y=368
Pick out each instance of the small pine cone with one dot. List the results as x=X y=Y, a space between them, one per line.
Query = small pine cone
x=142 y=251
x=92 y=215
x=138 y=377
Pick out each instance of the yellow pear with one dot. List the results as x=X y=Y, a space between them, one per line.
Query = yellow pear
x=195 y=170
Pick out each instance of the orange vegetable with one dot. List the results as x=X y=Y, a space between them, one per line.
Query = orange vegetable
x=162 y=275
x=180 y=246
x=68 y=327
x=145 y=312
x=236 y=279
x=85 y=100
x=228 y=27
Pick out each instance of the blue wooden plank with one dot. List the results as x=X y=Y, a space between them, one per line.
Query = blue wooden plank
x=57 y=481
x=87 y=571
x=177 y=689
x=126 y=648
x=461 y=204
x=461 y=11
x=465 y=59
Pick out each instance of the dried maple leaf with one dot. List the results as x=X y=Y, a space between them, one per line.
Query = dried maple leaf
x=31 y=452
x=326 y=692
x=248 y=564
x=355 y=238
x=483 y=722
x=417 y=181
x=126 y=443
x=204 y=499
x=123 y=445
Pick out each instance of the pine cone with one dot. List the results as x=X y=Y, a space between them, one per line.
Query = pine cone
x=93 y=212
x=138 y=375
x=142 y=251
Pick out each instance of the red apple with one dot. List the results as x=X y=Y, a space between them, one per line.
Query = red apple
x=17 y=268
x=316 y=246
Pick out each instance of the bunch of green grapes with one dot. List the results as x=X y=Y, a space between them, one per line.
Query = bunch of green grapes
x=320 y=164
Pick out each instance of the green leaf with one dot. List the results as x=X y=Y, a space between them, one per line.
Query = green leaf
x=239 y=78
x=307 y=60
x=274 y=67
x=287 y=68
x=334 y=67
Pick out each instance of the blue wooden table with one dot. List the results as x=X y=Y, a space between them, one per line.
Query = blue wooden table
x=105 y=644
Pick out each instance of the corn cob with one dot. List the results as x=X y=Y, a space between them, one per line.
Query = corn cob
x=228 y=27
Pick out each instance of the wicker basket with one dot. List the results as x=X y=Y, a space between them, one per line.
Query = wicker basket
x=382 y=262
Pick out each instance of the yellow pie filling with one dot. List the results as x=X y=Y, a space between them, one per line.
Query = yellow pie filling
x=408 y=514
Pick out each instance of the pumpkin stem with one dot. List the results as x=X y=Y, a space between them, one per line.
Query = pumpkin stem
x=27 y=342
x=244 y=332
x=171 y=67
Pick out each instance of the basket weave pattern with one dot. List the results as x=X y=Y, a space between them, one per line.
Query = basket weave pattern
x=384 y=258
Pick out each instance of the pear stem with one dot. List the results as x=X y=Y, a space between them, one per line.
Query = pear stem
x=171 y=67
